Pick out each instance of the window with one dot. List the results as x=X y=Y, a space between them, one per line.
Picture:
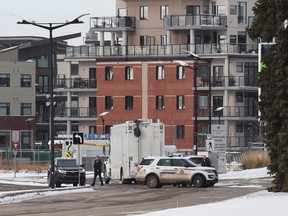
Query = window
x=108 y=73
x=43 y=84
x=180 y=131
x=164 y=10
x=4 y=80
x=233 y=39
x=180 y=72
x=4 y=109
x=146 y=40
x=242 y=13
x=25 y=80
x=160 y=72
x=4 y=139
x=74 y=69
x=108 y=102
x=122 y=12
x=239 y=127
x=159 y=102
x=129 y=102
x=42 y=61
x=239 y=67
x=129 y=73
x=203 y=102
x=92 y=129
x=163 y=40
x=180 y=102
x=239 y=96
x=143 y=13
x=233 y=9
x=221 y=9
x=164 y=162
x=25 y=139
x=26 y=109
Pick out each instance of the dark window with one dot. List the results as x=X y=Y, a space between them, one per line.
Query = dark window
x=239 y=127
x=146 y=162
x=129 y=75
x=4 y=80
x=108 y=102
x=164 y=9
x=160 y=102
x=242 y=13
x=129 y=102
x=26 y=109
x=74 y=69
x=180 y=102
x=180 y=72
x=239 y=96
x=108 y=73
x=164 y=162
x=25 y=80
x=43 y=84
x=160 y=72
x=25 y=140
x=4 y=109
x=233 y=39
x=233 y=9
x=42 y=61
x=180 y=163
x=180 y=131
x=4 y=139
x=143 y=13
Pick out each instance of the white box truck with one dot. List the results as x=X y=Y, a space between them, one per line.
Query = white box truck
x=129 y=143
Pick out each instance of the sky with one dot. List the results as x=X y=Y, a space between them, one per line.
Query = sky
x=261 y=203
x=48 y=12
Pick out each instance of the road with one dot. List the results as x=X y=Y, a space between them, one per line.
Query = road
x=120 y=200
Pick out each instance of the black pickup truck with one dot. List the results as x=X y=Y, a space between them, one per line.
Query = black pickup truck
x=67 y=172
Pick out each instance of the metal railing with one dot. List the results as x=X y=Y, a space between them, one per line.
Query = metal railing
x=76 y=112
x=112 y=22
x=75 y=83
x=162 y=50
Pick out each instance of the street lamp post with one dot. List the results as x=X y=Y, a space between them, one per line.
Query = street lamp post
x=50 y=27
x=219 y=109
x=103 y=120
x=29 y=128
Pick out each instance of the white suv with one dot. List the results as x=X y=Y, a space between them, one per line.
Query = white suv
x=157 y=171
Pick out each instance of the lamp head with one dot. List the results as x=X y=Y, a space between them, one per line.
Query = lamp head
x=219 y=109
x=103 y=114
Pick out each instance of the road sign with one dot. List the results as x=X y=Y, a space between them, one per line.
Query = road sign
x=38 y=143
x=219 y=137
x=78 y=138
x=16 y=145
x=210 y=145
x=69 y=154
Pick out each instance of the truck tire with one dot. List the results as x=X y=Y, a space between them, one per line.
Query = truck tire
x=198 y=181
x=152 y=181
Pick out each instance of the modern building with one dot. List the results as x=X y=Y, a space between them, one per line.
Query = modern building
x=135 y=75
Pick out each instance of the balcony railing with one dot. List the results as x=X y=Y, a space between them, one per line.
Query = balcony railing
x=75 y=83
x=126 y=22
x=206 y=20
x=160 y=50
x=229 y=111
x=75 y=112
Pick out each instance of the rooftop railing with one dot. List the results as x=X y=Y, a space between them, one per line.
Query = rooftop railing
x=112 y=22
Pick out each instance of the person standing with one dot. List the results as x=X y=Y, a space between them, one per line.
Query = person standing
x=97 y=170
x=206 y=162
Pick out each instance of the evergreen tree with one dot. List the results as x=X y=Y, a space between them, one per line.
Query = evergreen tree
x=273 y=81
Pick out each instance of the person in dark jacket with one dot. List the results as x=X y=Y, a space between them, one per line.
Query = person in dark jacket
x=206 y=162
x=97 y=170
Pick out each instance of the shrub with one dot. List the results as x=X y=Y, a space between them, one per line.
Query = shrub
x=256 y=159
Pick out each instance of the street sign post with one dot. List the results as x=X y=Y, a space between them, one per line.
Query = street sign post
x=78 y=138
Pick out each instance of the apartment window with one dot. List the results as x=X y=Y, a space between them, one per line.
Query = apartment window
x=239 y=127
x=159 y=102
x=4 y=109
x=163 y=40
x=160 y=72
x=26 y=108
x=242 y=13
x=108 y=73
x=180 y=102
x=221 y=9
x=203 y=102
x=205 y=9
x=92 y=129
x=143 y=13
x=180 y=72
x=4 y=139
x=233 y=9
x=122 y=12
x=239 y=67
x=146 y=40
x=129 y=75
x=25 y=139
x=108 y=102
x=43 y=84
x=129 y=102
x=4 y=80
x=239 y=96
x=25 y=80
x=42 y=61
x=233 y=39
x=164 y=10
x=180 y=131
x=74 y=69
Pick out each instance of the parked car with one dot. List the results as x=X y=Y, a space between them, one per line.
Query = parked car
x=158 y=171
x=67 y=172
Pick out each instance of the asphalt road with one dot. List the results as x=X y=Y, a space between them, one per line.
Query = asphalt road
x=120 y=200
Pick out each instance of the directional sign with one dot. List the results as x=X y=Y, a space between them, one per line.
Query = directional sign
x=78 y=138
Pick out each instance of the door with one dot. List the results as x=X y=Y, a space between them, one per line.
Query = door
x=242 y=42
x=92 y=106
x=193 y=17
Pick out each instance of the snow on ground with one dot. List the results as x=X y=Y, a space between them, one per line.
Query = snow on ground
x=261 y=203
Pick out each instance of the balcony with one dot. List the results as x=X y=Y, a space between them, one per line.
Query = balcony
x=124 y=23
x=161 y=50
x=75 y=114
x=202 y=22
x=75 y=84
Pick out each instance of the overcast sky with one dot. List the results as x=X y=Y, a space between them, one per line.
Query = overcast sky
x=51 y=11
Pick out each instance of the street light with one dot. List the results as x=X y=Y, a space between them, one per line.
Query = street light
x=103 y=120
x=219 y=109
x=29 y=128
x=185 y=64
x=51 y=27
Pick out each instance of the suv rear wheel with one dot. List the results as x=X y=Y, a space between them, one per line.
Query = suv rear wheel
x=198 y=181
x=152 y=181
